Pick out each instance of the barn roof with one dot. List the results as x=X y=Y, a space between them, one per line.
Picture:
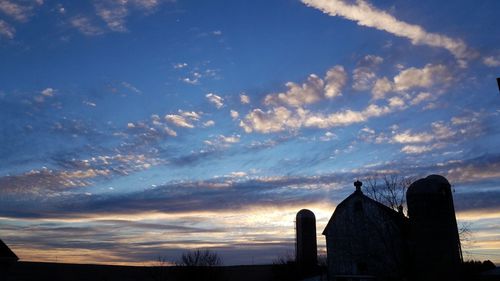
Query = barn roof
x=6 y=253
x=399 y=219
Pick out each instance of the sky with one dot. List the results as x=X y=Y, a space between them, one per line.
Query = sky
x=138 y=129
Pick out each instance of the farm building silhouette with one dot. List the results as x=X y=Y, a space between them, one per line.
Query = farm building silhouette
x=367 y=240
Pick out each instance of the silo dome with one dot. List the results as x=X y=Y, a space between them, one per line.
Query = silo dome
x=433 y=184
x=305 y=213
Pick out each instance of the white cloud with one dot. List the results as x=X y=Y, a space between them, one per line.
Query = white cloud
x=146 y=4
x=178 y=120
x=244 y=99
x=48 y=92
x=180 y=65
x=364 y=14
x=215 y=99
x=16 y=11
x=6 y=30
x=238 y=174
x=298 y=95
x=346 y=117
x=274 y=120
x=280 y=118
x=428 y=76
x=234 y=114
x=363 y=75
x=492 y=61
x=442 y=131
x=408 y=137
x=209 y=123
x=381 y=87
x=422 y=77
x=335 y=80
x=313 y=90
x=85 y=26
x=170 y=132
x=363 y=78
x=131 y=87
x=89 y=103
x=396 y=102
x=113 y=13
x=229 y=139
x=190 y=114
x=328 y=136
x=416 y=149
x=421 y=97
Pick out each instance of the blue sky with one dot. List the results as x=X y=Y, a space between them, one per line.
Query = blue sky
x=142 y=128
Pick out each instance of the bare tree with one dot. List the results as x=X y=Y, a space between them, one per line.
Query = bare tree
x=389 y=190
x=200 y=258
x=287 y=258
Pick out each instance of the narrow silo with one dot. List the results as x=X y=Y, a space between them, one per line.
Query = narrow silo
x=306 y=253
x=434 y=241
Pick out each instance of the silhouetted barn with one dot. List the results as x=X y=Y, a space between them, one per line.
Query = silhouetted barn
x=367 y=240
x=306 y=247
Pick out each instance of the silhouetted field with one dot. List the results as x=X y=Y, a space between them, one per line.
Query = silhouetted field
x=31 y=271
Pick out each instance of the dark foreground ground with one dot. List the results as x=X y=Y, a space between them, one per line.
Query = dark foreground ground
x=31 y=271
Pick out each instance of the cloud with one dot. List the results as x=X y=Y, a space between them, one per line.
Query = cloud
x=244 y=99
x=230 y=139
x=298 y=95
x=209 y=123
x=16 y=11
x=313 y=90
x=46 y=182
x=335 y=79
x=215 y=99
x=280 y=118
x=442 y=133
x=485 y=168
x=191 y=115
x=6 y=30
x=85 y=26
x=113 y=13
x=275 y=120
x=131 y=87
x=381 y=87
x=180 y=65
x=48 y=92
x=492 y=61
x=408 y=137
x=407 y=79
x=417 y=149
x=234 y=114
x=363 y=75
x=178 y=120
x=421 y=97
x=423 y=78
x=364 y=14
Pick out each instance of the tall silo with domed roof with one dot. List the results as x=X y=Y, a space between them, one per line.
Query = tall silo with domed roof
x=306 y=253
x=434 y=241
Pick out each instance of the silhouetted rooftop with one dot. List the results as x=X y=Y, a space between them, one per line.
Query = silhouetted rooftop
x=6 y=253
